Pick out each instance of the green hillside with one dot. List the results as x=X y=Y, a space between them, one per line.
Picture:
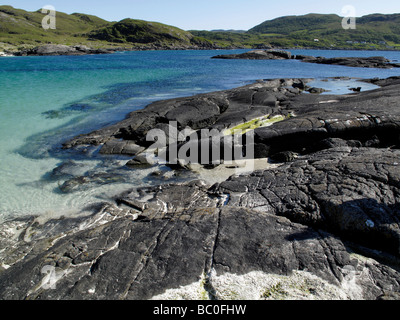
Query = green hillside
x=143 y=32
x=290 y=24
x=21 y=29
x=377 y=31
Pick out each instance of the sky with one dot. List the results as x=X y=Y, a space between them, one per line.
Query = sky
x=207 y=14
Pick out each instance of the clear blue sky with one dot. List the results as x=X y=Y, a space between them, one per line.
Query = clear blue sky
x=207 y=14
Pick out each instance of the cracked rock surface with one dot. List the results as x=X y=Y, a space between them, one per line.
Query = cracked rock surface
x=322 y=225
x=327 y=214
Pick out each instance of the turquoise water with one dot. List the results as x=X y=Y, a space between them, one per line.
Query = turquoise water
x=47 y=100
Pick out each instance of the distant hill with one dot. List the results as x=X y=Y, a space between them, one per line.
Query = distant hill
x=230 y=30
x=144 y=32
x=327 y=28
x=291 y=24
x=20 y=28
x=376 y=31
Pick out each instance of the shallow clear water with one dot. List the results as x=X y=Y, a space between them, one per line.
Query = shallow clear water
x=47 y=100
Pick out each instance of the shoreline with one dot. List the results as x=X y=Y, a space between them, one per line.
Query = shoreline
x=336 y=160
x=85 y=50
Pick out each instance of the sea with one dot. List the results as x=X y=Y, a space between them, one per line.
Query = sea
x=45 y=101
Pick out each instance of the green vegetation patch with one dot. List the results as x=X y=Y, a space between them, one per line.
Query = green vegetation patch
x=264 y=121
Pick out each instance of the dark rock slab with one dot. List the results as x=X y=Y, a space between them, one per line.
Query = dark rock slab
x=218 y=110
x=271 y=54
x=115 y=146
x=358 y=62
x=189 y=234
x=353 y=193
x=367 y=116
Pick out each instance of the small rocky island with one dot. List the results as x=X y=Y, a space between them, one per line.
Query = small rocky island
x=322 y=223
x=272 y=54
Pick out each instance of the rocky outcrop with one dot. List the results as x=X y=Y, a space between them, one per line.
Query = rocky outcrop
x=79 y=50
x=369 y=62
x=360 y=62
x=351 y=192
x=301 y=231
x=58 y=50
x=217 y=110
x=363 y=117
x=271 y=54
x=308 y=119
x=323 y=223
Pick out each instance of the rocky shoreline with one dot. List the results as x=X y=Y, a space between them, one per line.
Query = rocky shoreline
x=79 y=50
x=322 y=223
x=58 y=50
x=369 y=62
x=261 y=53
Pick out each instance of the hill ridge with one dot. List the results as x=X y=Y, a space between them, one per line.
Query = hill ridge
x=20 y=29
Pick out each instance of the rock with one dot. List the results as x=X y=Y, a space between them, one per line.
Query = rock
x=261 y=151
x=190 y=240
x=335 y=143
x=284 y=156
x=6 y=54
x=325 y=223
x=84 y=182
x=353 y=118
x=115 y=146
x=59 y=49
x=374 y=142
x=258 y=55
x=304 y=57
x=316 y=90
x=217 y=110
x=383 y=82
x=143 y=159
x=363 y=62
x=353 y=193
x=300 y=85
x=69 y=168
x=357 y=117
x=360 y=62
x=53 y=49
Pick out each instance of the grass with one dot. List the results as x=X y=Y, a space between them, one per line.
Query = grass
x=264 y=121
x=275 y=292
x=19 y=28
